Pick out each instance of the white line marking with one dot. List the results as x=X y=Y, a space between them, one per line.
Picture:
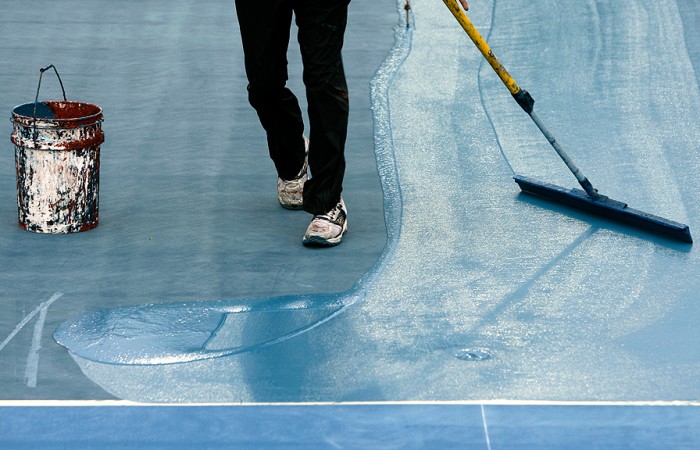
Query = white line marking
x=29 y=317
x=91 y=403
x=32 y=369
x=486 y=427
x=30 y=373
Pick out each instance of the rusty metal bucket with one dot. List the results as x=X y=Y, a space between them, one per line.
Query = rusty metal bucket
x=57 y=154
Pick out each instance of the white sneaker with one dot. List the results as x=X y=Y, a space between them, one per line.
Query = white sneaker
x=290 y=193
x=328 y=229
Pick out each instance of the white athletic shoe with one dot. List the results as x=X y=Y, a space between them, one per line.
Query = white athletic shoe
x=328 y=229
x=290 y=193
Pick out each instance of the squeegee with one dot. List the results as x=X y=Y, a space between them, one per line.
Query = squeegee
x=589 y=199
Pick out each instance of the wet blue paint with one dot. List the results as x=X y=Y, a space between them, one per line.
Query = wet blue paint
x=171 y=333
x=42 y=111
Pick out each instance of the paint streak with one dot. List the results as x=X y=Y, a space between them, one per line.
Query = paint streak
x=57 y=157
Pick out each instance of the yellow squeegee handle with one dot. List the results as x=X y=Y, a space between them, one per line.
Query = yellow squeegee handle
x=521 y=96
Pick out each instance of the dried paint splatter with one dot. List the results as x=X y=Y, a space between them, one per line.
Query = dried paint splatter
x=57 y=156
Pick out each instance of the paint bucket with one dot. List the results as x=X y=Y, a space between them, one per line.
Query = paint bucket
x=57 y=154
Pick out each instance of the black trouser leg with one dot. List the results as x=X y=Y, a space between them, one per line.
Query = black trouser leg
x=321 y=31
x=265 y=27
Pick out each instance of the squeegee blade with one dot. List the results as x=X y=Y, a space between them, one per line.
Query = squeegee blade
x=605 y=207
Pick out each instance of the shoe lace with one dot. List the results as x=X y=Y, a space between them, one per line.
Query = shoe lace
x=333 y=215
x=293 y=185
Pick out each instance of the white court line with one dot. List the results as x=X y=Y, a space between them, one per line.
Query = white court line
x=481 y=403
x=486 y=428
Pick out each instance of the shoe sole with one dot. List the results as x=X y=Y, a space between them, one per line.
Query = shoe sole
x=291 y=207
x=317 y=241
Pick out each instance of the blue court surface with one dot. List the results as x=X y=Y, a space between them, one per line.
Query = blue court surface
x=457 y=313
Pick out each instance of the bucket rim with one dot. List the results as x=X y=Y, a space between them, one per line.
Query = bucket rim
x=97 y=113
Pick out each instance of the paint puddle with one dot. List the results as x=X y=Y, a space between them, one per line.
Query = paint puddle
x=169 y=333
x=469 y=354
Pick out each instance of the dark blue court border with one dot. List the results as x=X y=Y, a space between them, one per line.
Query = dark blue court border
x=406 y=426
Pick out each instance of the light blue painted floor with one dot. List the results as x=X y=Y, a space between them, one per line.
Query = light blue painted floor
x=564 y=307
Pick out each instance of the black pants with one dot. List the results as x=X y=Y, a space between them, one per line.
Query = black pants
x=265 y=29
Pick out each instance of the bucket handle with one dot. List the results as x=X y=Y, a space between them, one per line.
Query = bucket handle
x=41 y=74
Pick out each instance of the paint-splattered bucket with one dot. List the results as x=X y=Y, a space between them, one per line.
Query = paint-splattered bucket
x=57 y=153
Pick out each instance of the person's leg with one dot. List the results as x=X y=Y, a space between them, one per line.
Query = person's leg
x=321 y=26
x=265 y=27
